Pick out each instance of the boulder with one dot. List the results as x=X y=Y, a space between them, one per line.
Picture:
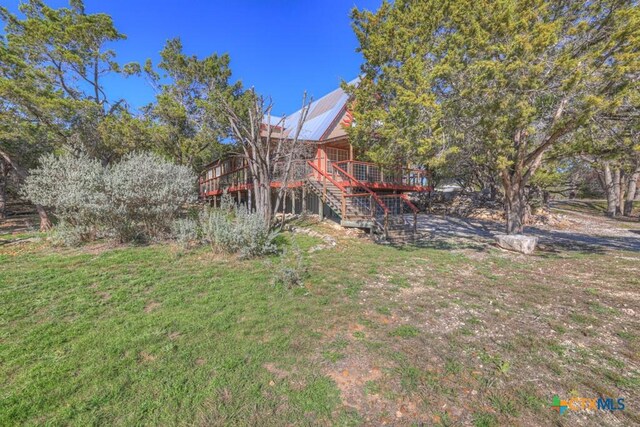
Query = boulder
x=517 y=242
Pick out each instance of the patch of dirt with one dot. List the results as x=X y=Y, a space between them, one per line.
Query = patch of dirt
x=99 y=248
x=329 y=242
x=104 y=296
x=145 y=357
x=225 y=395
x=152 y=305
x=351 y=375
x=277 y=372
x=504 y=330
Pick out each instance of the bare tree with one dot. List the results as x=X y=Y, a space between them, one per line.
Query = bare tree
x=272 y=148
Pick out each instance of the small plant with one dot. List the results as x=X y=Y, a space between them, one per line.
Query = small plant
x=64 y=234
x=484 y=419
x=332 y=356
x=235 y=229
x=405 y=331
x=292 y=271
x=372 y=387
x=503 y=367
x=504 y=404
x=452 y=366
x=185 y=231
x=384 y=310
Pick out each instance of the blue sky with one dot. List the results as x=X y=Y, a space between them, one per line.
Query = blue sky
x=282 y=47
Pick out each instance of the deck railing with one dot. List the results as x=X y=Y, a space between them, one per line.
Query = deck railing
x=372 y=173
x=363 y=172
x=400 y=206
x=232 y=179
x=367 y=203
x=299 y=171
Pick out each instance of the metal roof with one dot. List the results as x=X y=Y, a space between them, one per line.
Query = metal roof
x=322 y=113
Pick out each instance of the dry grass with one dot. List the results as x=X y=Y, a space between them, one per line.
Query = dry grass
x=447 y=333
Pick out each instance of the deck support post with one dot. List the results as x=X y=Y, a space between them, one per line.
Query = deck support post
x=386 y=226
x=373 y=216
x=323 y=198
x=293 y=201
x=304 y=199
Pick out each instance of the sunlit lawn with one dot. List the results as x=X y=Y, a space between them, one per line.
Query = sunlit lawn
x=439 y=335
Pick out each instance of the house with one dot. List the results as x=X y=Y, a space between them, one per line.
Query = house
x=333 y=180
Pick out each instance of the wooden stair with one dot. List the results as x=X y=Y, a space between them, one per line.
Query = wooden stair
x=388 y=226
x=334 y=200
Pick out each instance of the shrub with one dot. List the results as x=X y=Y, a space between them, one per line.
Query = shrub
x=292 y=271
x=74 y=188
x=185 y=231
x=65 y=234
x=254 y=234
x=145 y=193
x=135 y=198
x=234 y=229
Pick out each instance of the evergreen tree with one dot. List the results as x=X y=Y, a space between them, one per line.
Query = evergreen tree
x=509 y=78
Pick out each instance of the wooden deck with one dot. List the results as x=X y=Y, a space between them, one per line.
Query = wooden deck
x=362 y=173
x=362 y=194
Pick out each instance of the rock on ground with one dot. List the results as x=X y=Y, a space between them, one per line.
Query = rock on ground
x=517 y=242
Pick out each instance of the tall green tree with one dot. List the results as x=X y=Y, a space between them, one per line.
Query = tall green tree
x=22 y=141
x=185 y=85
x=53 y=63
x=513 y=77
x=611 y=145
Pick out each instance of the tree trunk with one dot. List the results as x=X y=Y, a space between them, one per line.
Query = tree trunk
x=262 y=198
x=632 y=187
x=493 y=192
x=617 y=189
x=45 y=222
x=606 y=181
x=4 y=171
x=514 y=182
x=515 y=209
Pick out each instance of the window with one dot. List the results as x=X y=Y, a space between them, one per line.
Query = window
x=335 y=155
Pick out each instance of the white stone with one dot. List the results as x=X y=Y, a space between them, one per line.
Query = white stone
x=517 y=242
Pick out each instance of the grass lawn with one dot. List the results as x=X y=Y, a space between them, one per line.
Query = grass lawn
x=443 y=335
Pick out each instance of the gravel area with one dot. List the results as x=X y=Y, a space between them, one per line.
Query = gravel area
x=578 y=231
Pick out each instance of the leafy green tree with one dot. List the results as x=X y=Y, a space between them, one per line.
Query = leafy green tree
x=611 y=145
x=512 y=77
x=52 y=66
x=185 y=85
x=21 y=143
